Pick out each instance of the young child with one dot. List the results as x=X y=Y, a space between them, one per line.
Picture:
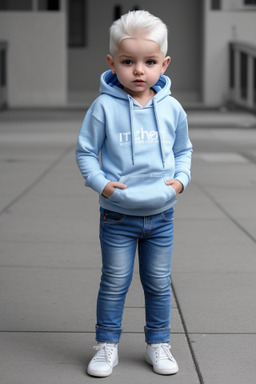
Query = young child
x=142 y=134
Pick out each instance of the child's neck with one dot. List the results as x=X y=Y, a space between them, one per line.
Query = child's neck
x=143 y=97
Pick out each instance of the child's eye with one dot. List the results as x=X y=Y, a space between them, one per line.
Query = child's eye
x=150 y=62
x=127 y=62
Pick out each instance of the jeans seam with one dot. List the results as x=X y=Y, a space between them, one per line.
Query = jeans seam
x=156 y=329
x=108 y=328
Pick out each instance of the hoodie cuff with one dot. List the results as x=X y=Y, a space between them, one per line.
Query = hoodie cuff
x=98 y=183
x=183 y=178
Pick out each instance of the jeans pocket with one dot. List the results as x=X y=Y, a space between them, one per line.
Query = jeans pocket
x=168 y=215
x=111 y=217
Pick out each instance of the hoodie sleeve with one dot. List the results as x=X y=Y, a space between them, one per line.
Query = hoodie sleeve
x=182 y=153
x=90 y=140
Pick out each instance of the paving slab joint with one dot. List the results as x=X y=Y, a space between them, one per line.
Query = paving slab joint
x=197 y=368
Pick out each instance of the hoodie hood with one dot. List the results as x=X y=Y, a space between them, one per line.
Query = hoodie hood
x=110 y=85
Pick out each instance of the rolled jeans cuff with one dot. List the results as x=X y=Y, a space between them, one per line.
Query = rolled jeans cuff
x=108 y=335
x=157 y=335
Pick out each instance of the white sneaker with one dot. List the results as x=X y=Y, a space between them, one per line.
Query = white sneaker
x=104 y=361
x=160 y=357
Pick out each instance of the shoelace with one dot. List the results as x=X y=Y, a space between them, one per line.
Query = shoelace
x=162 y=352
x=104 y=353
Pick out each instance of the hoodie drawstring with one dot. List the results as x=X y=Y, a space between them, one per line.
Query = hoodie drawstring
x=159 y=132
x=132 y=129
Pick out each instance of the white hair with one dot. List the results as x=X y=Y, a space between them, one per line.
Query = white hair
x=134 y=22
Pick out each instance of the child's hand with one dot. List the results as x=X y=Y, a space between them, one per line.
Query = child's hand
x=176 y=185
x=111 y=186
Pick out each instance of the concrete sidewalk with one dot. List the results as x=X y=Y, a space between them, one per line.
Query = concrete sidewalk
x=50 y=258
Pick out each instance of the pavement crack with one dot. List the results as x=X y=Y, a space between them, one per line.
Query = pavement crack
x=198 y=371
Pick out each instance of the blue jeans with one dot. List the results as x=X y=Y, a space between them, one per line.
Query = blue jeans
x=119 y=235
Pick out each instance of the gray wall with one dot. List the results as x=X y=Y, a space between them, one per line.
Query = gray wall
x=36 y=58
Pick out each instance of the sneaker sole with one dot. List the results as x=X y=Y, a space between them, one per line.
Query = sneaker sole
x=102 y=374
x=161 y=371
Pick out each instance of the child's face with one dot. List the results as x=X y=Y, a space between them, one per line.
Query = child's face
x=138 y=64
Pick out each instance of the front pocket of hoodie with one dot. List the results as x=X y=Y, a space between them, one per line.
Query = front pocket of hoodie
x=143 y=191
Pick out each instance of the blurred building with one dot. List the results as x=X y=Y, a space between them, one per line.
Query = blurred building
x=52 y=52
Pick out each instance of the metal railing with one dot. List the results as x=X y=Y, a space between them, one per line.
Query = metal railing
x=3 y=75
x=242 y=82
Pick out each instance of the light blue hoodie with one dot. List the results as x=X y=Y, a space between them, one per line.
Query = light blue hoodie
x=140 y=147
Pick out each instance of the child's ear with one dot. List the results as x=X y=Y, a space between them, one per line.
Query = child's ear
x=111 y=63
x=165 y=64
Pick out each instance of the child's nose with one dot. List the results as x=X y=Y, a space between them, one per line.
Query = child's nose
x=139 y=70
